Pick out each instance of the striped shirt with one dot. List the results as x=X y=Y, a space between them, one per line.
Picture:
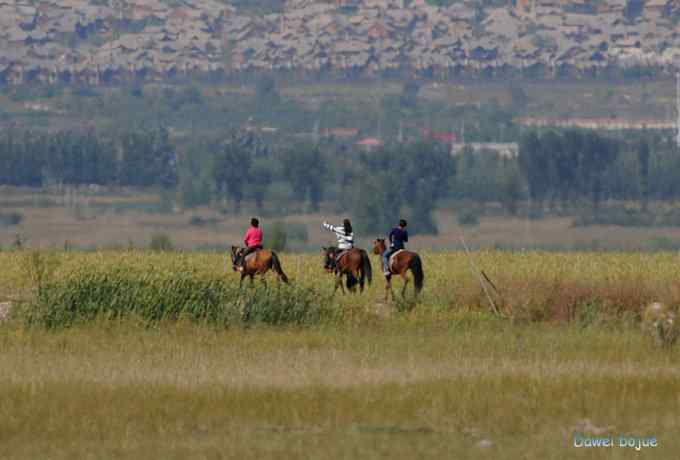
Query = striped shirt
x=344 y=241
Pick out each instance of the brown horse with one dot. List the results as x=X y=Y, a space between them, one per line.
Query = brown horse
x=400 y=263
x=354 y=264
x=257 y=263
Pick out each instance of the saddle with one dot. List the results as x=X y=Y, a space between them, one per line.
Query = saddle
x=242 y=260
x=340 y=254
x=390 y=262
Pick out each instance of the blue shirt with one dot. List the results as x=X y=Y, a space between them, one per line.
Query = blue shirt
x=398 y=236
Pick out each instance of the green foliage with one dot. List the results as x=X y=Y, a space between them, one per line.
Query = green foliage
x=266 y=91
x=161 y=242
x=518 y=97
x=153 y=296
x=468 y=216
x=567 y=165
x=409 y=94
x=231 y=170
x=297 y=232
x=278 y=237
x=411 y=176
x=304 y=167
x=134 y=158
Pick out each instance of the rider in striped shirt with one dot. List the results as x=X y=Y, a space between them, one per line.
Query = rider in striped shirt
x=344 y=235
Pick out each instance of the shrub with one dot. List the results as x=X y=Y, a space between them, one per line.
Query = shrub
x=161 y=242
x=297 y=232
x=120 y=292
x=468 y=217
x=278 y=238
x=199 y=221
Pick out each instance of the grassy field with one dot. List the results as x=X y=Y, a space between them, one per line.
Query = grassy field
x=441 y=379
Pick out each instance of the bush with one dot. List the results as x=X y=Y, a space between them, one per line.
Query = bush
x=468 y=217
x=11 y=218
x=278 y=238
x=121 y=292
x=161 y=242
x=199 y=221
x=297 y=232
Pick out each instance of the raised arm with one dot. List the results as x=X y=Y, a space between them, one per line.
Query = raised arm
x=328 y=226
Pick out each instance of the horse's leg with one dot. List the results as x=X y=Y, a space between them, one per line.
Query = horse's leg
x=353 y=289
x=406 y=280
x=252 y=279
x=335 y=287
x=339 y=281
x=388 y=288
x=240 y=283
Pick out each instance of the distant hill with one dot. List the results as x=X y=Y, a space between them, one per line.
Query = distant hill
x=99 y=41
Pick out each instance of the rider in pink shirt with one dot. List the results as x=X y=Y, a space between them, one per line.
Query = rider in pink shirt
x=252 y=239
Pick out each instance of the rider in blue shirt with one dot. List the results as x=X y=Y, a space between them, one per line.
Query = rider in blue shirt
x=397 y=237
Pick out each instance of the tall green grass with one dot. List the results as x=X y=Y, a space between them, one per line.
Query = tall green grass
x=118 y=292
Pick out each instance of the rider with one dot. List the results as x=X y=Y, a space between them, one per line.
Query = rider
x=397 y=237
x=252 y=240
x=344 y=235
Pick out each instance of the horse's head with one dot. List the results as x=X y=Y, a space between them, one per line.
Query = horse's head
x=379 y=246
x=328 y=259
x=235 y=253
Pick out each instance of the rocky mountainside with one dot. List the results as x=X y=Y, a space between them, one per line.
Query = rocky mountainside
x=101 y=41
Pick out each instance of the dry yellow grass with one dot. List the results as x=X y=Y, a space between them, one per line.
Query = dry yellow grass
x=391 y=391
x=445 y=380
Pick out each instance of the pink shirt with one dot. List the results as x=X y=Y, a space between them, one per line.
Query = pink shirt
x=253 y=237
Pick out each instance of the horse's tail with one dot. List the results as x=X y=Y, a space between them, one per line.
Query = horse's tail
x=366 y=266
x=416 y=267
x=276 y=266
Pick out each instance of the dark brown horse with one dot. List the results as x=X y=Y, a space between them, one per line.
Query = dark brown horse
x=400 y=263
x=354 y=264
x=257 y=263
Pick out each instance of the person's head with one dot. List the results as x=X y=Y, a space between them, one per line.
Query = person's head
x=254 y=222
x=347 y=225
x=402 y=223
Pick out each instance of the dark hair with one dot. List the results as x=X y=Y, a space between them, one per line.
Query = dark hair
x=348 y=226
x=402 y=223
x=254 y=222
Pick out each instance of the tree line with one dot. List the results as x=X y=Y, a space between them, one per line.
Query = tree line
x=563 y=169
x=134 y=158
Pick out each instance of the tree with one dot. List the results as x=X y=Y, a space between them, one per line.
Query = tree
x=266 y=91
x=518 y=97
x=261 y=177
x=409 y=94
x=643 y=164
x=231 y=171
x=598 y=154
x=534 y=163
x=304 y=168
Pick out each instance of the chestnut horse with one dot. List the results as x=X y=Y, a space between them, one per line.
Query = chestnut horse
x=257 y=263
x=400 y=264
x=354 y=264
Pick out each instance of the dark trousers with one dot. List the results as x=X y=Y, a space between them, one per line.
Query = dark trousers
x=386 y=257
x=249 y=250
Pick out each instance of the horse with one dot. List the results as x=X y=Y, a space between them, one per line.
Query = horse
x=400 y=263
x=257 y=263
x=354 y=264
